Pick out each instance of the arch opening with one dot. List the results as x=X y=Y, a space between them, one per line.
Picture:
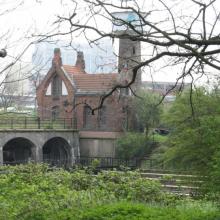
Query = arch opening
x=56 y=152
x=18 y=150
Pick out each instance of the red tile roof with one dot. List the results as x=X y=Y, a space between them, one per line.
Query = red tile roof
x=94 y=82
x=73 y=69
x=90 y=82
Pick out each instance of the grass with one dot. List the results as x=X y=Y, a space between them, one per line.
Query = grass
x=132 y=211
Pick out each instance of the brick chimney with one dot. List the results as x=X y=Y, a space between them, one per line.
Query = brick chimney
x=80 y=62
x=57 y=60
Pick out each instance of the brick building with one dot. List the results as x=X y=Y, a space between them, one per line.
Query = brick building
x=69 y=92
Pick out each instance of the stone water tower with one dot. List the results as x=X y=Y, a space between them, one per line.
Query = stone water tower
x=129 y=50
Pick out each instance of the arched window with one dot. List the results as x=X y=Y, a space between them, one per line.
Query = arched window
x=102 y=117
x=56 y=86
x=87 y=117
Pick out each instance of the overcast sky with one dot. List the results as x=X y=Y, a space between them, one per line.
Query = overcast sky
x=36 y=16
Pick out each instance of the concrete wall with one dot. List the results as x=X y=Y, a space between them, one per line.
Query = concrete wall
x=85 y=143
x=98 y=144
x=94 y=147
x=38 y=138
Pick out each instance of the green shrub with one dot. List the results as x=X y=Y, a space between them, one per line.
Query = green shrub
x=133 y=145
x=121 y=211
x=36 y=191
x=131 y=186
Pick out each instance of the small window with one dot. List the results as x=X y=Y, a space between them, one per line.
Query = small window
x=125 y=91
x=133 y=50
x=126 y=64
x=55 y=112
x=102 y=117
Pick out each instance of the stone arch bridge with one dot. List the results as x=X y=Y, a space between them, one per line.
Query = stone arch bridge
x=39 y=145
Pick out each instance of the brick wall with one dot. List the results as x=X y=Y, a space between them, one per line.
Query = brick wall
x=47 y=102
x=72 y=105
x=113 y=114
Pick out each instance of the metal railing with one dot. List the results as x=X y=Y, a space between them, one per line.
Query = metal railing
x=36 y=123
x=52 y=162
x=143 y=163
x=105 y=163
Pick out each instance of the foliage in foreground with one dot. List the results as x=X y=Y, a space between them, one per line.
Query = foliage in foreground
x=27 y=189
x=134 y=211
x=121 y=211
x=37 y=192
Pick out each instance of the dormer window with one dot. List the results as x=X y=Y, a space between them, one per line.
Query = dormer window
x=56 y=86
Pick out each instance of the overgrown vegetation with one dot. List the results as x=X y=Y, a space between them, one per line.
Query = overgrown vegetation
x=134 y=145
x=140 y=141
x=38 y=192
x=194 y=142
x=146 y=110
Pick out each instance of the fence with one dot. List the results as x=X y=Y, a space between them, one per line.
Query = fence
x=36 y=123
x=101 y=162
x=143 y=163
x=108 y=163
x=52 y=162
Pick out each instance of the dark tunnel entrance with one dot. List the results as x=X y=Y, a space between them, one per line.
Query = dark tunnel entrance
x=17 y=151
x=56 y=152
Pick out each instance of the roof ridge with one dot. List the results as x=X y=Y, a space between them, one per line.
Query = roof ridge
x=99 y=82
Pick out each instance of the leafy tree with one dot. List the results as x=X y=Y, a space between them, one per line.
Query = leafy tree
x=146 y=113
x=195 y=138
x=146 y=110
x=133 y=145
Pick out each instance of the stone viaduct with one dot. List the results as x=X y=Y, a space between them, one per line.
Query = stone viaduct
x=39 y=145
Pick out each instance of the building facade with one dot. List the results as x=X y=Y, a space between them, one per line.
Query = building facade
x=167 y=89
x=69 y=92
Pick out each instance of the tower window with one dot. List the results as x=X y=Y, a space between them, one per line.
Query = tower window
x=125 y=64
x=133 y=50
